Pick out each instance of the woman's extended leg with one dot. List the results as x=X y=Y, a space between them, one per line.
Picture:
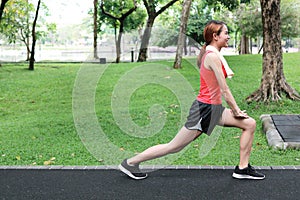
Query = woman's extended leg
x=248 y=126
x=183 y=138
x=131 y=166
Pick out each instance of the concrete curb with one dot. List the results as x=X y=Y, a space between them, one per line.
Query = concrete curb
x=274 y=138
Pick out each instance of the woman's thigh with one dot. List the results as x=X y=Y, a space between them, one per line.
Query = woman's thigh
x=183 y=138
x=228 y=120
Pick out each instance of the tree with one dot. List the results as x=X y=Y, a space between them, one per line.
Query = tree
x=273 y=82
x=199 y=18
x=182 y=33
x=95 y=16
x=2 y=6
x=248 y=23
x=200 y=14
x=16 y=23
x=165 y=31
x=118 y=13
x=248 y=17
x=230 y=4
x=290 y=20
x=32 y=60
x=151 y=6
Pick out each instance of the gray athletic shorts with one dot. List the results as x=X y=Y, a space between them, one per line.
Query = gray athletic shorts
x=204 y=117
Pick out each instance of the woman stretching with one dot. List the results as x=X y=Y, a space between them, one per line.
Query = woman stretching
x=207 y=111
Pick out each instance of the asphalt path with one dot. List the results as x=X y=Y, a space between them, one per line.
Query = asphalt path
x=161 y=184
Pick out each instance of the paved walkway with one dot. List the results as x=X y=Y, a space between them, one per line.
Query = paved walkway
x=173 y=182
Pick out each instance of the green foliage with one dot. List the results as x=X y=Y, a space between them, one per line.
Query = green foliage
x=18 y=18
x=216 y=4
x=290 y=18
x=201 y=12
x=199 y=17
x=135 y=20
x=15 y=22
x=164 y=36
x=248 y=17
x=118 y=8
x=242 y=17
x=167 y=35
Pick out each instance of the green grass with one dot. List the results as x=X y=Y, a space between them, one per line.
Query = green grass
x=37 y=125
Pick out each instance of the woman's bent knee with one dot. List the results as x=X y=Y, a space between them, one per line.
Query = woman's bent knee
x=250 y=124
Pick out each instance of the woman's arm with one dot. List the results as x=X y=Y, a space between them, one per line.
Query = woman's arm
x=213 y=62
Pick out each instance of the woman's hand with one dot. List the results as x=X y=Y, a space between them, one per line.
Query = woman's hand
x=240 y=114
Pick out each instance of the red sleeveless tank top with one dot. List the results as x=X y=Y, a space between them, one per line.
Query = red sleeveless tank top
x=210 y=91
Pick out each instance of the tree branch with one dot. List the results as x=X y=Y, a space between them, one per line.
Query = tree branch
x=166 y=7
x=147 y=6
x=3 y=2
x=129 y=11
x=106 y=13
x=123 y=16
x=23 y=39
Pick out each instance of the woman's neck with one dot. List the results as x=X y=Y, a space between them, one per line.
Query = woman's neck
x=216 y=46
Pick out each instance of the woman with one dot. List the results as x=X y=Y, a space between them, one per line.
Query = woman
x=207 y=111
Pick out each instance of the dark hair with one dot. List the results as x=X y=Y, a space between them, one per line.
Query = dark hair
x=211 y=27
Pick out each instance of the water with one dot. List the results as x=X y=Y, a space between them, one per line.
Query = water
x=85 y=53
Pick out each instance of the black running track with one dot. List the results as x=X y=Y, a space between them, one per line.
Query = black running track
x=161 y=184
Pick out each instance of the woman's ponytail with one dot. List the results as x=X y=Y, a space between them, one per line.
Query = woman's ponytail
x=202 y=52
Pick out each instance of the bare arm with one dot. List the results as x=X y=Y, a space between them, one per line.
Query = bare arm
x=213 y=62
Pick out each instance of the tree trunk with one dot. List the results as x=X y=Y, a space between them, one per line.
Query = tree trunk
x=145 y=40
x=118 y=42
x=3 y=2
x=182 y=33
x=152 y=14
x=121 y=29
x=244 y=46
x=27 y=33
x=95 y=28
x=32 y=60
x=273 y=82
x=185 y=46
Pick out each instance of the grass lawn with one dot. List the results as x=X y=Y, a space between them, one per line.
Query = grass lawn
x=37 y=113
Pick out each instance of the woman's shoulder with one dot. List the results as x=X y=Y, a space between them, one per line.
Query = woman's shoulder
x=212 y=61
x=211 y=56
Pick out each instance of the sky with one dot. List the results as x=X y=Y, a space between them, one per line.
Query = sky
x=68 y=11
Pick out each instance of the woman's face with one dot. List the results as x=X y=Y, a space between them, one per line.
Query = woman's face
x=223 y=37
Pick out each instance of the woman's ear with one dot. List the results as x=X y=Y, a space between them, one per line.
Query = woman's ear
x=215 y=36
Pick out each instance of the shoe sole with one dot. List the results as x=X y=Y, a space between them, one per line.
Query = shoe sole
x=128 y=173
x=240 y=176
